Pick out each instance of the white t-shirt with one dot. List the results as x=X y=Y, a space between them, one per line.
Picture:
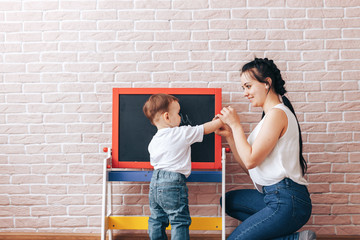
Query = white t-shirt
x=283 y=161
x=170 y=148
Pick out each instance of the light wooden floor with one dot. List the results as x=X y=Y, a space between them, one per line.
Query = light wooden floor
x=60 y=236
x=218 y=237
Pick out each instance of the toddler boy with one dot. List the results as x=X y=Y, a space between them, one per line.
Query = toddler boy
x=170 y=155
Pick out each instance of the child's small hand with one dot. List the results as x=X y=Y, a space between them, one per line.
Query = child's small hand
x=217 y=117
x=213 y=125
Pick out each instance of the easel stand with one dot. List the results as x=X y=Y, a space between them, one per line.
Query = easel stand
x=110 y=222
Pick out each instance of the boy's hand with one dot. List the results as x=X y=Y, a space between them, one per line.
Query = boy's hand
x=212 y=126
x=217 y=117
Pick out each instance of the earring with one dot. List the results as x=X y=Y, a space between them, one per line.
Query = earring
x=266 y=86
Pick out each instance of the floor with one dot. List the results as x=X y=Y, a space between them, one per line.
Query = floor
x=56 y=236
x=218 y=237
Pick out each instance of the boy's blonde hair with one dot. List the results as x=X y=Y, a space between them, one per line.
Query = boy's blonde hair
x=157 y=103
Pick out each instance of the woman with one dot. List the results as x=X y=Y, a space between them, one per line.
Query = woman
x=272 y=156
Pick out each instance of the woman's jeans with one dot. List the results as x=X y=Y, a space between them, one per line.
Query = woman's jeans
x=277 y=213
x=168 y=198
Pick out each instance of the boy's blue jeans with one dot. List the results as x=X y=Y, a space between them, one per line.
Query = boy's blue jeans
x=168 y=197
x=277 y=213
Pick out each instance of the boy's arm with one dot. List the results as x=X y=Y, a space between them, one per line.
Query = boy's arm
x=210 y=127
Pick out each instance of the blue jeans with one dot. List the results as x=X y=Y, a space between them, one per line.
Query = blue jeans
x=277 y=213
x=168 y=197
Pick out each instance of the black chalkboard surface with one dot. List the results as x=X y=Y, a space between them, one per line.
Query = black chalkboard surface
x=134 y=131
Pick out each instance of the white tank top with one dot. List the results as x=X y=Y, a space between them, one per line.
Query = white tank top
x=283 y=161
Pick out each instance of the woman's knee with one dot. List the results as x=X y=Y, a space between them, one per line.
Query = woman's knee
x=229 y=202
x=227 y=196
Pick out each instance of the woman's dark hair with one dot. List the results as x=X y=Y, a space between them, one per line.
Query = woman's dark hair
x=262 y=68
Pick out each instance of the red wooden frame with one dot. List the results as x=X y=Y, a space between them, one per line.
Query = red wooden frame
x=183 y=91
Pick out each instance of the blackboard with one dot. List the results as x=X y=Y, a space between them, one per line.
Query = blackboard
x=133 y=131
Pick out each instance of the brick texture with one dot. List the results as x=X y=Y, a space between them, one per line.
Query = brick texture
x=59 y=61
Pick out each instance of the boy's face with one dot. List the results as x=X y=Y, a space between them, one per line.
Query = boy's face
x=174 y=117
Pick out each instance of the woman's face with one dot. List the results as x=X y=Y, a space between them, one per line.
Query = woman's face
x=254 y=90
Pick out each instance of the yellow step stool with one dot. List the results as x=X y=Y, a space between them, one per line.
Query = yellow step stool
x=141 y=223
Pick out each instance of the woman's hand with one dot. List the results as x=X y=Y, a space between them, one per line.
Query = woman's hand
x=229 y=116
x=224 y=131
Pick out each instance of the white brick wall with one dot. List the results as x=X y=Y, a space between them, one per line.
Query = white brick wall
x=59 y=61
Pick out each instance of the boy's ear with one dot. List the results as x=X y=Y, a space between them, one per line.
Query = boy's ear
x=165 y=116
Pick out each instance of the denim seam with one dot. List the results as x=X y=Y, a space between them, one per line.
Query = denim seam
x=277 y=209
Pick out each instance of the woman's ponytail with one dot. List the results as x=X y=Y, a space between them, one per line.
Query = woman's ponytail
x=303 y=163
